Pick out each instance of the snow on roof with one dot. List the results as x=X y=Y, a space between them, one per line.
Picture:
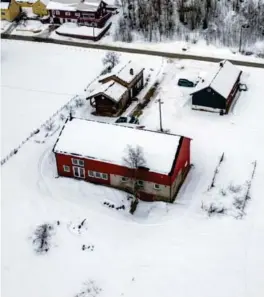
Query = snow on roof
x=124 y=72
x=221 y=79
x=4 y=5
x=112 y=89
x=74 y=5
x=109 y=143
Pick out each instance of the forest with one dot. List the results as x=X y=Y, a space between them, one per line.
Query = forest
x=235 y=24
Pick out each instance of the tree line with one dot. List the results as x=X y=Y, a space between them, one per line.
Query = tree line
x=216 y=21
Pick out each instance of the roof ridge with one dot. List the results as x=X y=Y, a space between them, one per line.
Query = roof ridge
x=220 y=68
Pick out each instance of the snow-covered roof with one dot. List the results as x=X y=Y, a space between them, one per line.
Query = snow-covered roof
x=221 y=79
x=72 y=5
x=112 y=89
x=109 y=143
x=4 y=5
x=123 y=72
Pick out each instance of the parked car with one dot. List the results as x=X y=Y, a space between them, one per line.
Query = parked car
x=129 y=120
x=183 y=82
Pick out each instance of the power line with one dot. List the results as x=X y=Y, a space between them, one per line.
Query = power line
x=39 y=91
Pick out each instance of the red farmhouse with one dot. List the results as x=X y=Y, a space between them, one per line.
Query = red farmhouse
x=91 y=13
x=95 y=152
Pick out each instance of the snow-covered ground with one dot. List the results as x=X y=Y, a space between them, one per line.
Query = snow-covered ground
x=164 y=249
x=30 y=28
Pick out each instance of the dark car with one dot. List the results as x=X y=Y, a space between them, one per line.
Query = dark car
x=129 y=120
x=182 y=82
x=121 y=120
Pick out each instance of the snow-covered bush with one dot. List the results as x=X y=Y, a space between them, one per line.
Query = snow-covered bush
x=49 y=126
x=111 y=59
x=79 y=102
x=91 y=289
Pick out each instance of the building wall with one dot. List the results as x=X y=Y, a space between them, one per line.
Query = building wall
x=105 y=106
x=115 y=174
x=12 y=12
x=209 y=99
x=39 y=8
x=181 y=166
x=233 y=93
x=149 y=187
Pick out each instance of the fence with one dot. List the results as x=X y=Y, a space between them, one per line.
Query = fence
x=14 y=151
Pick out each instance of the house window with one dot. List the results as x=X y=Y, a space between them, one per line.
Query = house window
x=140 y=183
x=105 y=176
x=77 y=14
x=2 y=12
x=156 y=186
x=90 y=173
x=67 y=13
x=66 y=168
x=57 y=12
x=97 y=174
x=124 y=179
x=77 y=162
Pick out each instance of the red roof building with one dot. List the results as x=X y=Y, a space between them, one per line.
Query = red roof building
x=95 y=152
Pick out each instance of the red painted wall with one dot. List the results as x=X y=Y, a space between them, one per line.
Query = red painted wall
x=95 y=165
x=183 y=157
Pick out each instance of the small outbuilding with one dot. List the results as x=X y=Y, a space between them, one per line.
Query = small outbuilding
x=95 y=152
x=116 y=90
x=218 y=90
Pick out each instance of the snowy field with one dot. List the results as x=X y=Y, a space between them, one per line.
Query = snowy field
x=164 y=249
x=37 y=79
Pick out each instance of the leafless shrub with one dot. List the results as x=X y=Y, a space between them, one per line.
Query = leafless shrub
x=79 y=102
x=234 y=188
x=223 y=192
x=111 y=59
x=49 y=126
x=90 y=290
x=41 y=238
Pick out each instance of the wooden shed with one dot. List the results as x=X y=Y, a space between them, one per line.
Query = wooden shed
x=217 y=91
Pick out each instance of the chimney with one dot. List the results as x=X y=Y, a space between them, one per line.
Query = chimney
x=131 y=71
x=221 y=64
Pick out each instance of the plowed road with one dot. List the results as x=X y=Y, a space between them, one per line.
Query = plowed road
x=131 y=50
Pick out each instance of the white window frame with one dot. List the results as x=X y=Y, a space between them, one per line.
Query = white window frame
x=91 y=173
x=104 y=176
x=79 y=169
x=97 y=173
x=77 y=162
x=140 y=183
x=77 y=14
x=57 y=12
x=66 y=168
x=124 y=179
x=67 y=13
x=157 y=187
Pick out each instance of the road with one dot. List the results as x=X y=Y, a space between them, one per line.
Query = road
x=130 y=50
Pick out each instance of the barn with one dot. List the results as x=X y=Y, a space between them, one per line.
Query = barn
x=95 y=152
x=218 y=90
x=115 y=91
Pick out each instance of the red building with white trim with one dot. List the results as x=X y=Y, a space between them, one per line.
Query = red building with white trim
x=95 y=152
x=91 y=13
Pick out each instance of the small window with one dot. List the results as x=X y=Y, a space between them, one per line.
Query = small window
x=105 y=176
x=77 y=162
x=66 y=168
x=67 y=13
x=156 y=186
x=57 y=12
x=2 y=12
x=124 y=179
x=77 y=14
x=97 y=174
x=90 y=173
x=140 y=183
x=208 y=90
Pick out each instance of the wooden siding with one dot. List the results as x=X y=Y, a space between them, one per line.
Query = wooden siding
x=209 y=98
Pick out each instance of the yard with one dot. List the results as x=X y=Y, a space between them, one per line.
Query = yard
x=164 y=249
x=38 y=79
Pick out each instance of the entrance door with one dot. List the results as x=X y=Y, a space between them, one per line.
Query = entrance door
x=78 y=172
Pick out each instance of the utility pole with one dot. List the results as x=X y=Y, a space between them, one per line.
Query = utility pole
x=160 y=114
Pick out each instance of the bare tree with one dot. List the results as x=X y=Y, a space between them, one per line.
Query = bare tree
x=134 y=160
x=111 y=59
x=42 y=237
